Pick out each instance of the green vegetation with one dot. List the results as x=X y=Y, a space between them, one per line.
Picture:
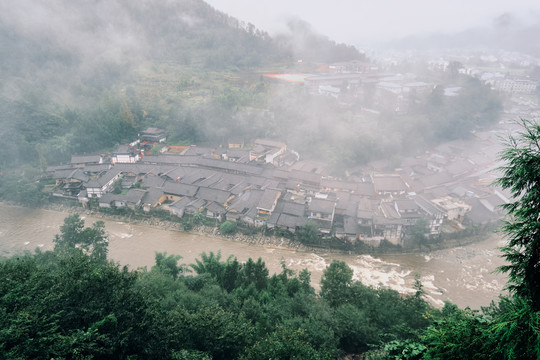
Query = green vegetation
x=72 y=303
x=74 y=236
x=309 y=233
x=520 y=175
x=228 y=228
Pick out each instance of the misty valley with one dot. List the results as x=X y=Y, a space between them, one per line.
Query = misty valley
x=194 y=125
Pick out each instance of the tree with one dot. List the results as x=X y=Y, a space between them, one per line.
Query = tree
x=285 y=343
x=418 y=232
x=228 y=228
x=309 y=233
x=73 y=235
x=336 y=283
x=168 y=264
x=521 y=175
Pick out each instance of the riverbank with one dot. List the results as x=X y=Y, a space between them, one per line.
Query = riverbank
x=260 y=239
x=463 y=275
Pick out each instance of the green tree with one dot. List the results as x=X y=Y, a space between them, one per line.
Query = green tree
x=156 y=149
x=73 y=235
x=168 y=264
x=210 y=264
x=460 y=334
x=285 y=343
x=228 y=228
x=515 y=331
x=73 y=307
x=418 y=232
x=309 y=233
x=521 y=176
x=255 y=273
x=336 y=283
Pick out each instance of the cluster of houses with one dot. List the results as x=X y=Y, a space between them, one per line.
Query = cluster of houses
x=376 y=90
x=267 y=185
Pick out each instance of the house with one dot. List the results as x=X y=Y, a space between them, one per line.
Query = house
x=391 y=185
x=235 y=143
x=338 y=185
x=70 y=180
x=236 y=155
x=408 y=210
x=97 y=187
x=152 y=135
x=322 y=212
x=132 y=199
x=186 y=205
x=175 y=190
x=215 y=210
x=83 y=160
x=388 y=224
x=219 y=196
x=125 y=154
x=434 y=214
x=306 y=178
x=286 y=221
x=194 y=150
x=267 y=151
x=268 y=202
x=455 y=209
x=154 y=197
x=364 y=217
x=243 y=205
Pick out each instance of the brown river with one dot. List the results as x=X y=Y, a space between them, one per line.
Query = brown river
x=462 y=275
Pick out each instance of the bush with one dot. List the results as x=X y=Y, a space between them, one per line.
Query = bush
x=228 y=228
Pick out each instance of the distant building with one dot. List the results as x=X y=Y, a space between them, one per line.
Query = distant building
x=152 y=135
x=516 y=86
x=125 y=154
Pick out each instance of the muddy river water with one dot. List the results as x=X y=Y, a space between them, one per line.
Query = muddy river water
x=462 y=275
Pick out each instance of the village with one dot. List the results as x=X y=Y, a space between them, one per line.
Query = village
x=266 y=184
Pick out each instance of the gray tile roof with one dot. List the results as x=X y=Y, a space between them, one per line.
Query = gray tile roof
x=86 y=159
x=179 y=189
x=152 y=196
x=322 y=206
x=246 y=201
x=152 y=181
x=290 y=221
x=268 y=200
x=208 y=194
x=293 y=209
x=389 y=184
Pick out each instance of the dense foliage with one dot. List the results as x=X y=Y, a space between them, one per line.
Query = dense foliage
x=521 y=175
x=70 y=303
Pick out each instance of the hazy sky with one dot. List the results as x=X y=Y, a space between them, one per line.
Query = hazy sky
x=362 y=22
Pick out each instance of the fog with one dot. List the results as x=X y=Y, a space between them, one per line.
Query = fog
x=370 y=23
x=301 y=132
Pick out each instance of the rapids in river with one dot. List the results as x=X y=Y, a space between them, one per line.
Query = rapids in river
x=463 y=275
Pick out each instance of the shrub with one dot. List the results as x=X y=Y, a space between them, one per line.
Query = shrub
x=228 y=227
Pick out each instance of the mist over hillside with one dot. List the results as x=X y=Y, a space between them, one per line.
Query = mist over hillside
x=72 y=71
x=508 y=32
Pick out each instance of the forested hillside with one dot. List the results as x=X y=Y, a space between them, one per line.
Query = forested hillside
x=80 y=77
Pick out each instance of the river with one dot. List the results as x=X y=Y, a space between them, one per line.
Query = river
x=462 y=275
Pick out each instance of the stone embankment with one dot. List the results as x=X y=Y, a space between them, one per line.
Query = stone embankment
x=257 y=239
